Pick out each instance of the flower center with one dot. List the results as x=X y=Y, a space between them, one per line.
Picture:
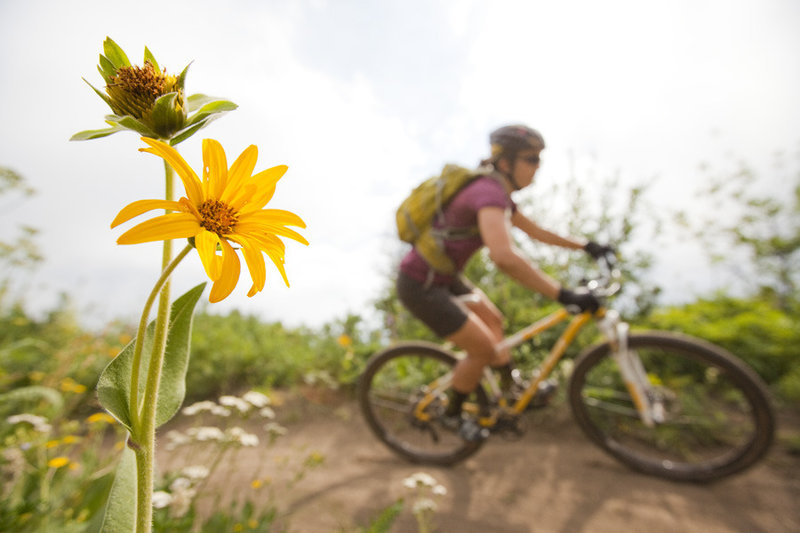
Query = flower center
x=141 y=81
x=217 y=217
x=134 y=90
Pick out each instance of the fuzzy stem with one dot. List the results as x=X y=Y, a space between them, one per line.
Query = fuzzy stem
x=143 y=435
x=146 y=419
x=166 y=257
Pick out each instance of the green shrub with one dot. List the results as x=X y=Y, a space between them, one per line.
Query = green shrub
x=763 y=336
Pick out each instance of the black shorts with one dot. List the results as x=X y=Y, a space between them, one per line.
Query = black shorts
x=436 y=306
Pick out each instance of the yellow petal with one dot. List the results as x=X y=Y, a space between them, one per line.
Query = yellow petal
x=216 y=164
x=245 y=194
x=143 y=206
x=277 y=260
x=241 y=170
x=250 y=228
x=206 y=243
x=229 y=276
x=265 y=184
x=268 y=242
x=190 y=180
x=255 y=264
x=274 y=216
x=165 y=227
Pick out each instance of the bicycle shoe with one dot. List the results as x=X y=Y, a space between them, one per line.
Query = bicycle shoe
x=466 y=428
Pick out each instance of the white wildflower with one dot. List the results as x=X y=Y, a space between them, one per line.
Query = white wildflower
x=275 y=429
x=161 y=499
x=206 y=433
x=267 y=412
x=176 y=438
x=196 y=472
x=198 y=407
x=256 y=399
x=39 y=423
x=206 y=406
x=180 y=483
x=182 y=496
x=420 y=479
x=423 y=505
x=232 y=401
x=243 y=438
x=440 y=490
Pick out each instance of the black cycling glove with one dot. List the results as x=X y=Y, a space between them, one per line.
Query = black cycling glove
x=578 y=301
x=598 y=251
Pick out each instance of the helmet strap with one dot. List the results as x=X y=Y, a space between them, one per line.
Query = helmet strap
x=510 y=175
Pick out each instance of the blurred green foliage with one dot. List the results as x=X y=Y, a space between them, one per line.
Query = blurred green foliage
x=755 y=330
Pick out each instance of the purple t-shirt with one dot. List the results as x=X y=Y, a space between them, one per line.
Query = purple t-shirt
x=461 y=212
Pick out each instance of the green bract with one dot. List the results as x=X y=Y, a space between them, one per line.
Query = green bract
x=149 y=101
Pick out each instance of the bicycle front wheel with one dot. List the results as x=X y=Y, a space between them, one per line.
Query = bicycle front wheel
x=717 y=416
x=390 y=390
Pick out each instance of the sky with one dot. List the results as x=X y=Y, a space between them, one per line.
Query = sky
x=362 y=100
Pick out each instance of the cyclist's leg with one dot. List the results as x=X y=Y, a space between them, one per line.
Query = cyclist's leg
x=479 y=303
x=441 y=309
x=478 y=341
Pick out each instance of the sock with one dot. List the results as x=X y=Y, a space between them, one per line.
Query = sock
x=456 y=402
x=506 y=375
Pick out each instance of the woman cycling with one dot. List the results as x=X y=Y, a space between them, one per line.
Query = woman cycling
x=460 y=312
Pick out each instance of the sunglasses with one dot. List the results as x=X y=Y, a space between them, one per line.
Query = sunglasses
x=531 y=159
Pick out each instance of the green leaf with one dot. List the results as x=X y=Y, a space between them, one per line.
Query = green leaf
x=128 y=122
x=106 y=69
x=166 y=116
x=21 y=398
x=196 y=101
x=94 y=134
x=115 y=54
x=186 y=133
x=172 y=389
x=120 y=514
x=182 y=77
x=101 y=94
x=148 y=56
x=114 y=385
x=210 y=108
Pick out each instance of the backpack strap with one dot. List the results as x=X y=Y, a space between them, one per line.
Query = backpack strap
x=453 y=234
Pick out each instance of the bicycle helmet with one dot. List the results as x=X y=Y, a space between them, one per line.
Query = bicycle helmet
x=511 y=139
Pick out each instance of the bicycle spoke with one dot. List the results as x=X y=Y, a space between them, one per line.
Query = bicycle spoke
x=390 y=392
x=715 y=417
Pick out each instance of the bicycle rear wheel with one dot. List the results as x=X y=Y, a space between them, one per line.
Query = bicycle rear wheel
x=718 y=419
x=392 y=384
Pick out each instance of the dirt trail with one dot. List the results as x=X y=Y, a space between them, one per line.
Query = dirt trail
x=552 y=480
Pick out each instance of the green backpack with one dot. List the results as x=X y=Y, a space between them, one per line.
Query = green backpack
x=427 y=201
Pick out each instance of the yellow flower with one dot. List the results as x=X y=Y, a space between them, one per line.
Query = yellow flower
x=225 y=208
x=58 y=462
x=344 y=340
x=100 y=417
x=147 y=100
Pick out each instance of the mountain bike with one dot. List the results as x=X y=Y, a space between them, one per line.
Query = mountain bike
x=662 y=403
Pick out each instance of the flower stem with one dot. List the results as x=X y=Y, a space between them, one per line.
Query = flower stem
x=166 y=257
x=145 y=428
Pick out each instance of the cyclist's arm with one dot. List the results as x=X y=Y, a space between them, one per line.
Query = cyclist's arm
x=536 y=232
x=494 y=227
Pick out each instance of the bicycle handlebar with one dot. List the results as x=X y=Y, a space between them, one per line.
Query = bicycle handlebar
x=608 y=282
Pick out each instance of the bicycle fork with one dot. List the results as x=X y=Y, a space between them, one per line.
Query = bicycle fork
x=648 y=404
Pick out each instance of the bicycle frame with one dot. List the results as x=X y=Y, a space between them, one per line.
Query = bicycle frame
x=650 y=408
